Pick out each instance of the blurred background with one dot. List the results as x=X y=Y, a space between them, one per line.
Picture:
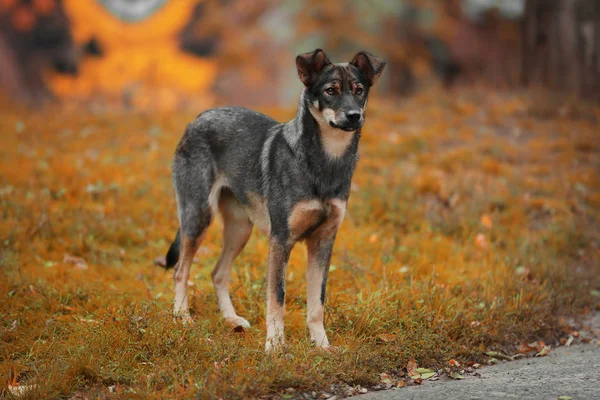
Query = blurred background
x=166 y=54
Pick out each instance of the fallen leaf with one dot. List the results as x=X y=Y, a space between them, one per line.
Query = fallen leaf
x=387 y=337
x=411 y=367
x=456 y=375
x=399 y=384
x=427 y=375
x=544 y=352
x=385 y=378
x=78 y=262
x=537 y=346
x=523 y=272
x=88 y=320
x=524 y=348
x=424 y=370
x=454 y=363
x=569 y=341
x=497 y=354
x=418 y=381
x=481 y=241
x=486 y=221
x=565 y=398
x=13 y=326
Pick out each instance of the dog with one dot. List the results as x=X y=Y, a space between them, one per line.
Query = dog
x=291 y=180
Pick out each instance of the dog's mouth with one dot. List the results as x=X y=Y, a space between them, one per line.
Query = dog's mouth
x=347 y=128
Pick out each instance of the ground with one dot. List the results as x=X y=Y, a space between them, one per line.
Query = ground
x=571 y=372
x=472 y=227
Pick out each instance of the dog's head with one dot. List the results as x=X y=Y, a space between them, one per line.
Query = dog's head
x=337 y=93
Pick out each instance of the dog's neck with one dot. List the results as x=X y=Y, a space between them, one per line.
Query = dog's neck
x=310 y=129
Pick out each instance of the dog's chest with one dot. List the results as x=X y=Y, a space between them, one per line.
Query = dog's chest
x=315 y=217
x=307 y=217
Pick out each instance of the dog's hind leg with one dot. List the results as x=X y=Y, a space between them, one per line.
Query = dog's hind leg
x=189 y=246
x=193 y=183
x=236 y=232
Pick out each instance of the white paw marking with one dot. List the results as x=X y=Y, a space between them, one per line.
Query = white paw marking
x=238 y=321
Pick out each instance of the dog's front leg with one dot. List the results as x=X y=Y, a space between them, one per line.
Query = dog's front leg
x=319 y=258
x=319 y=246
x=279 y=255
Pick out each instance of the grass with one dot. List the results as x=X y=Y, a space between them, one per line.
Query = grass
x=472 y=226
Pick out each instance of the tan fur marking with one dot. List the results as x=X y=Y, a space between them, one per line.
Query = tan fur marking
x=236 y=232
x=305 y=215
x=334 y=141
x=215 y=192
x=336 y=209
x=258 y=212
x=189 y=246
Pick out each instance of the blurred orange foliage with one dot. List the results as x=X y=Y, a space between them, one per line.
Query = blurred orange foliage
x=142 y=60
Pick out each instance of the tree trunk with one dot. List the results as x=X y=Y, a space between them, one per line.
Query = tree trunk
x=561 y=46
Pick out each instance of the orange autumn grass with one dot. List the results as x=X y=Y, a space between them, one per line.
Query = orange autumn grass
x=454 y=197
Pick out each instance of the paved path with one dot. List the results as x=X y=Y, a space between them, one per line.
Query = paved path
x=567 y=371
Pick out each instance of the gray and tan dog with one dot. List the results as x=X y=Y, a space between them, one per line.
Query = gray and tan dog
x=291 y=180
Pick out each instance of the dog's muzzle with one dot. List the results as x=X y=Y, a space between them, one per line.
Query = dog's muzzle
x=351 y=121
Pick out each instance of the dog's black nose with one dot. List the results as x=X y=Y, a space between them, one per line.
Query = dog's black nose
x=353 y=116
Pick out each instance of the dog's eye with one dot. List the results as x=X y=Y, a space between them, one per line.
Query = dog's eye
x=330 y=91
x=359 y=91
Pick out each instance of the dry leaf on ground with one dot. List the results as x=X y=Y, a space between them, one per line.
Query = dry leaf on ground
x=78 y=262
x=411 y=368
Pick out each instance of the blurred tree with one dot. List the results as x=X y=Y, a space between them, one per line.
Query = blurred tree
x=485 y=40
x=561 y=45
x=34 y=36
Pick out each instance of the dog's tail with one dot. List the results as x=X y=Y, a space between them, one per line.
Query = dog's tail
x=173 y=253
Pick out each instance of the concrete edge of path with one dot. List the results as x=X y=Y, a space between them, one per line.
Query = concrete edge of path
x=567 y=371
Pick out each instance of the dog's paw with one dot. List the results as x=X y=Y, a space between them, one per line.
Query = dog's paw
x=237 y=322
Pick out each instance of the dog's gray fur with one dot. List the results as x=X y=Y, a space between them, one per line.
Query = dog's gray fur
x=292 y=180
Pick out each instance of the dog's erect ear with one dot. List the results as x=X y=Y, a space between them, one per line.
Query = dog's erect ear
x=310 y=66
x=370 y=66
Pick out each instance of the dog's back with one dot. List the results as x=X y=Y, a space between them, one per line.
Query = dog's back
x=227 y=139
